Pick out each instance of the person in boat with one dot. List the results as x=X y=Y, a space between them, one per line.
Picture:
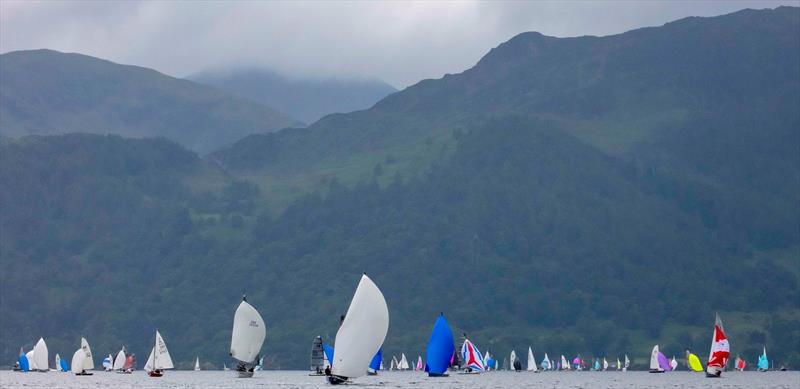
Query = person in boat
x=327 y=370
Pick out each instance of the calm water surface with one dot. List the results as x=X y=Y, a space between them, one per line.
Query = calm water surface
x=299 y=379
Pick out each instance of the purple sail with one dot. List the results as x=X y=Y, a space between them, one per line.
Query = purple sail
x=663 y=362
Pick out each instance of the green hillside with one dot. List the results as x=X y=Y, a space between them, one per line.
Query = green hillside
x=48 y=92
x=597 y=211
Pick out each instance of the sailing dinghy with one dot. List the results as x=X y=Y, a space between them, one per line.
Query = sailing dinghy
x=532 y=362
x=82 y=360
x=361 y=333
x=740 y=363
x=247 y=338
x=159 y=359
x=693 y=361
x=119 y=361
x=720 y=351
x=763 y=362
x=108 y=363
x=317 y=357
x=376 y=363
x=197 y=364
x=473 y=361
x=440 y=350
x=655 y=367
x=546 y=364
x=605 y=364
x=513 y=362
x=40 y=357
x=627 y=364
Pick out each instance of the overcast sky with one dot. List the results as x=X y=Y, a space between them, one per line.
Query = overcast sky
x=399 y=42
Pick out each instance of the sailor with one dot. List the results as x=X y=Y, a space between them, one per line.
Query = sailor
x=327 y=370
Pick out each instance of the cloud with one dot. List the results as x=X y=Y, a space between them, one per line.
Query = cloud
x=400 y=42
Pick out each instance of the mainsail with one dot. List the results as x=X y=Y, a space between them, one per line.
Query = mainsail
x=119 y=361
x=362 y=332
x=655 y=367
x=317 y=355
x=720 y=351
x=159 y=358
x=531 y=361
x=41 y=356
x=512 y=359
x=88 y=362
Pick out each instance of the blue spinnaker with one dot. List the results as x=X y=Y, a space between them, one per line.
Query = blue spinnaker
x=23 y=363
x=763 y=362
x=440 y=347
x=375 y=364
x=64 y=365
x=328 y=349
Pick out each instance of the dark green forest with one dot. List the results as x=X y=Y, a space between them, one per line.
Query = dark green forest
x=600 y=209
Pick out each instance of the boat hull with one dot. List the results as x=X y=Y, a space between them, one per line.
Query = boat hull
x=155 y=373
x=244 y=374
x=438 y=375
x=336 y=380
x=84 y=373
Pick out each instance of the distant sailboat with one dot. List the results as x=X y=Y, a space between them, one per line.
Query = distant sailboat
x=247 y=337
x=473 y=361
x=361 y=333
x=596 y=366
x=419 y=366
x=82 y=360
x=693 y=361
x=108 y=363
x=532 y=362
x=605 y=364
x=619 y=364
x=627 y=364
x=564 y=364
x=197 y=364
x=546 y=364
x=763 y=362
x=740 y=363
x=673 y=364
x=130 y=364
x=394 y=365
x=317 y=357
x=654 y=365
x=403 y=364
x=260 y=365
x=41 y=357
x=577 y=363
x=225 y=367
x=512 y=360
x=376 y=363
x=159 y=359
x=440 y=350
x=720 y=351
x=119 y=361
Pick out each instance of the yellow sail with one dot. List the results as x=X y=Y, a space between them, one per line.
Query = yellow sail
x=694 y=363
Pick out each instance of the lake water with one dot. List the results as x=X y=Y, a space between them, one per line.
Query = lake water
x=492 y=380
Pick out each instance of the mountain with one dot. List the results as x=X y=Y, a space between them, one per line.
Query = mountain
x=577 y=195
x=307 y=99
x=48 y=92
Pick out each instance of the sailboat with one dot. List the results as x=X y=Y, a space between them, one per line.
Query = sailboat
x=763 y=362
x=419 y=363
x=440 y=350
x=82 y=359
x=740 y=363
x=564 y=363
x=361 y=333
x=197 y=364
x=403 y=365
x=473 y=361
x=605 y=364
x=720 y=351
x=130 y=364
x=40 y=357
x=673 y=364
x=512 y=360
x=532 y=362
x=654 y=361
x=627 y=364
x=376 y=363
x=394 y=364
x=108 y=363
x=577 y=363
x=619 y=364
x=247 y=337
x=317 y=357
x=546 y=364
x=159 y=359
x=225 y=367
x=596 y=366
x=693 y=361
x=119 y=361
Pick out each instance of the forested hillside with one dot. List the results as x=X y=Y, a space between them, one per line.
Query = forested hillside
x=582 y=195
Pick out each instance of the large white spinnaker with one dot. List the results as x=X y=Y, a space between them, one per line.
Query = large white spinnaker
x=362 y=332
x=41 y=356
x=249 y=332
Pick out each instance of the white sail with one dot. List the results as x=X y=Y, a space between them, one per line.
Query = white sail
x=511 y=359
x=119 y=362
x=78 y=359
x=546 y=363
x=108 y=363
x=58 y=362
x=605 y=364
x=531 y=361
x=654 y=359
x=627 y=363
x=249 y=332
x=41 y=355
x=88 y=362
x=197 y=364
x=362 y=332
x=673 y=363
x=564 y=363
x=31 y=361
x=403 y=362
